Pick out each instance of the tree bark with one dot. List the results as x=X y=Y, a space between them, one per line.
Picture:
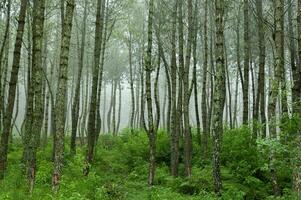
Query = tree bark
x=93 y=107
x=297 y=111
x=205 y=119
x=131 y=83
x=36 y=88
x=75 y=106
x=4 y=44
x=260 y=101
x=246 y=63
x=187 y=133
x=174 y=132
x=61 y=104
x=219 y=95
x=151 y=130
x=12 y=89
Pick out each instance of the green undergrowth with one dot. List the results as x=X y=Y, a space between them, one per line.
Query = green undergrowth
x=120 y=169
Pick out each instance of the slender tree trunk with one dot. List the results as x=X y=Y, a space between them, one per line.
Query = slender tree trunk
x=37 y=87
x=142 y=95
x=174 y=144
x=205 y=119
x=137 y=102
x=219 y=95
x=297 y=111
x=246 y=63
x=131 y=83
x=4 y=44
x=195 y=81
x=119 y=106
x=296 y=66
x=151 y=129
x=235 y=100
x=260 y=101
x=76 y=101
x=181 y=69
x=276 y=84
x=156 y=95
x=114 y=109
x=46 y=94
x=104 y=108
x=46 y=121
x=93 y=104
x=110 y=108
x=16 y=110
x=187 y=133
x=164 y=108
x=100 y=75
x=61 y=104
x=12 y=89
x=229 y=107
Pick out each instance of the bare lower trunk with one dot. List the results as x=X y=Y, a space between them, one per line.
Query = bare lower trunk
x=119 y=107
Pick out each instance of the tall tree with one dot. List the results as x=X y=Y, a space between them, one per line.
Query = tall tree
x=12 y=89
x=76 y=101
x=92 y=112
x=151 y=129
x=205 y=119
x=296 y=67
x=3 y=45
x=276 y=85
x=219 y=94
x=131 y=81
x=35 y=115
x=297 y=111
x=174 y=134
x=61 y=100
x=246 y=63
x=187 y=133
x=260 y=101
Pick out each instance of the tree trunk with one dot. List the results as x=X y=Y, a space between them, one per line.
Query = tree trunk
x=276 y=85
x=174 y=142
x=151 y=130
x=114 y=109
x=131 y=83
x=187 y=133
x=61 y=104
x=195 y=81
x=205 y=119
x=119 y=107
x=12 y=89
x=76 y=101
x=100 y=75
x=181 y=69
x=228 y=103
x=110 y=108
x=93 y=107
x=297 y=110
x=219 y=95
x=37 y=88
x=246 y=63
x=104 y=108
x=4 y=44
x=260 y=101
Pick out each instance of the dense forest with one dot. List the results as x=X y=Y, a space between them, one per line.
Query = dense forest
x=150 y=99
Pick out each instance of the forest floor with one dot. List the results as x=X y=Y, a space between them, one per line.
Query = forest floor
x=119 y=172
